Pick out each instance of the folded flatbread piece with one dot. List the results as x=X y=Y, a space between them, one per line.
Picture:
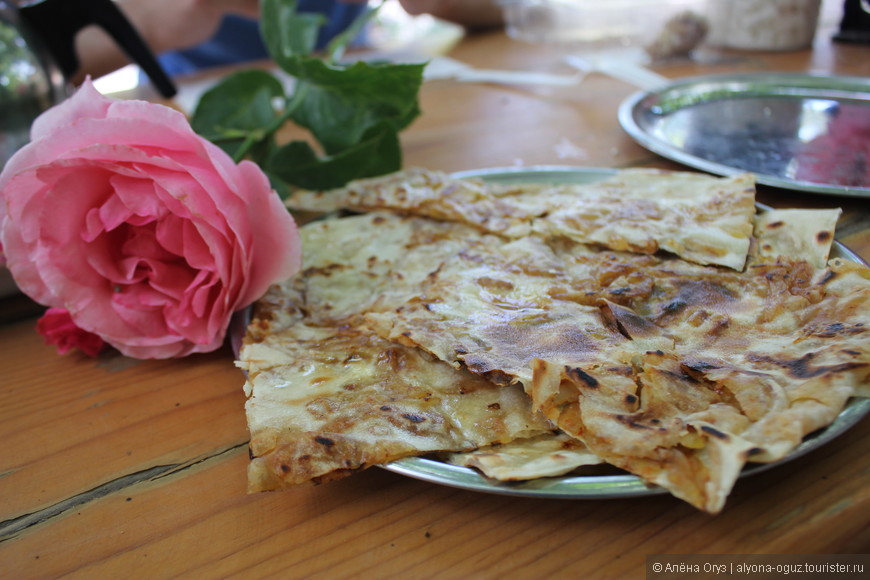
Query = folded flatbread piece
x=325 y=402
x=703 y=219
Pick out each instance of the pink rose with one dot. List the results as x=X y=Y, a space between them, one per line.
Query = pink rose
x=57 y=327
x=149 y=235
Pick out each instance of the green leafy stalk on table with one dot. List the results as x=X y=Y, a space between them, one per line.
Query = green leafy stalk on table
x=353 y=112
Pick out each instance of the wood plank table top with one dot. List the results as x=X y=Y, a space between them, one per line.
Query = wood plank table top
x=117 y=468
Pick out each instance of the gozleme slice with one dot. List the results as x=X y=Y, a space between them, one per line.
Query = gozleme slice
x=324 y=402
x=689 y=420
x=703 y=219
x=758 y=363
x=651 y=420
x=700 y=218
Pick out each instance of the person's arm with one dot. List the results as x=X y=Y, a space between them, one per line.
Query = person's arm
x=163 y=24
x=472 y=14
x=174 y=24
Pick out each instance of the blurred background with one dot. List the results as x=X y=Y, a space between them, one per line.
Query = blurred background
x=585 y=26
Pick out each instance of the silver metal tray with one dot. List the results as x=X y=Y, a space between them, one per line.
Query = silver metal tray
x=795 y=131
x=596 y=486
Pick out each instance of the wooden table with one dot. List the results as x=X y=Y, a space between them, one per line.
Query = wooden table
x=116 y=468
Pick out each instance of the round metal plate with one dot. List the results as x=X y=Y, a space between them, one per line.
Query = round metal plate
x=794 y=131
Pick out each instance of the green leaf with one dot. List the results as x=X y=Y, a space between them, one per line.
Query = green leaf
x=343 y=103
x=237 y=107
x=377 y=153
x=335 y=49
x=354 y=113
x=287 y=34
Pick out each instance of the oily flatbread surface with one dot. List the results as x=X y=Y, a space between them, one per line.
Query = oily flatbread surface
x=770 y=344
x=659 y=358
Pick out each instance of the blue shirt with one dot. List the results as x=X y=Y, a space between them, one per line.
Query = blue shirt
x=238 y=39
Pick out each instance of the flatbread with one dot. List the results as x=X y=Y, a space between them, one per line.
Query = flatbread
x=325 y=402
x=327 y=397
x=700 y=218
x=769 y=343
x=675 y=370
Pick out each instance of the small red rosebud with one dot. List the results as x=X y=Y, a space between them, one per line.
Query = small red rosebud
x=57 y=327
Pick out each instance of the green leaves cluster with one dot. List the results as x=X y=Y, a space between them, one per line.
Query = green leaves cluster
x=353 y=112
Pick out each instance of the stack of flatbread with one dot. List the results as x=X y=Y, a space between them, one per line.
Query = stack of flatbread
x=652 y=321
